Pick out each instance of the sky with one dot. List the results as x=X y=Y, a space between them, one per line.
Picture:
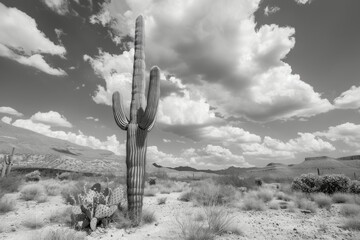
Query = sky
x=243 y=82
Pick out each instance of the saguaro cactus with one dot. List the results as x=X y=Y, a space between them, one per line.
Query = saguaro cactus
x=142 y=119
x=7 y=164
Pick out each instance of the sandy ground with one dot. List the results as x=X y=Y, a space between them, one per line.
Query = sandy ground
x=269 y=224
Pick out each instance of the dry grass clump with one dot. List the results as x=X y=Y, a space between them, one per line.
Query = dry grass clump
x=343 y=198
x=350 y=209
x=352 y=224
x=274 y=205
x=283 y=196
x=6 y=205
x=34 y=222
x=252 y=203
x=62 y=216
x=322 y=200
x=306 y=204
x=186 y=196
x=216 y=220
x=161 y=200
x=210 y=194
x=148 y=216
x=120 y=220
x=53 y=187
x=59 y=234
x=35 y=192
x=71 y=191
x=265 y=194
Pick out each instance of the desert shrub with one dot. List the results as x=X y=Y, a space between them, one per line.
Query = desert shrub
x=120 y=220
x=253 y=204
x=350 y=210
x=265 y=194
x=6 y=205
x=209 y=193
x=53 y=187
x=161 y=200
x=33 y=176
x=283 y=196
x=34 y=222
x=236 y=181
x=342 y=198
x=34 y=192
x=218 y=219
x=258 y=182
x=191 y=230
x=71 y=192
x=64 y=176
x=354 y=187
x=306 y=183
x=306 y=204
x=352 y=224
x=186 y=196
x=165 y=191
x=334 y=183
x=274 y=205
x=59 y=234
x=10 y=184
x=291 y=207
x=148 y=216
x=322 y=200
x=62 y=216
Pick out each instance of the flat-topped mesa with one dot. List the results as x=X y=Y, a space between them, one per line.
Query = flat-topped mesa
x=142 y=119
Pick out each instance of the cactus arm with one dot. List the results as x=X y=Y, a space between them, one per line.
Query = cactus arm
x=138 y=86
x=148 y=119
x=118 y=110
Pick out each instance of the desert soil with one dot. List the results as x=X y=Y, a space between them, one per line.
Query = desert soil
x=269 y=224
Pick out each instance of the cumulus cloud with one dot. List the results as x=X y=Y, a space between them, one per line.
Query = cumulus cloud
x=271 y=10
x=23 y=42
x=208 y=157
x=303 y=1
x=271 y=148
x=111 y=143
x=219 y=49
x=11 y=111
x=51 y=118
x=61 y=7
x=6 y=119
x=92 y=118
x=349 y=99
x=348 y=133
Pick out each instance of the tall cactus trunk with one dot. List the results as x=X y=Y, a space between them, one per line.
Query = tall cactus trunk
x=142 y=119
x=7 y=164
x=136 y=168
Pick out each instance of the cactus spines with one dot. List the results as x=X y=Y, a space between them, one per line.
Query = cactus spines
x=142 y=119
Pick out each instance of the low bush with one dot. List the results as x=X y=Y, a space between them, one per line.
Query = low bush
x=334 y=183
x=322 y=200
x=258 y=182
x=120 y=220
x=34 y=222
x=59 y=234
x=352 y=224
x=307 y=183
x=161 y=200
x=274 y=205
x=186 y=196
x=253 y=204
x=348 y=210
x=265 y=194
x=209 y=193
x=53 y=187
x=354 y=187
x=6 y=205
x=71 y=192
x=191 y=230
x=306 y=204
x=236 y=181
x=33 y=176
x=62 y=216
x=148 y=216
x=34 y=192
x=342 y=198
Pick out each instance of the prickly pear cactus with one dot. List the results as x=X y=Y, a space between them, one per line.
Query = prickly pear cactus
x=97 y=206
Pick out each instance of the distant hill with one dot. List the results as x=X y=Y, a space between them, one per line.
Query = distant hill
x=34 y=150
